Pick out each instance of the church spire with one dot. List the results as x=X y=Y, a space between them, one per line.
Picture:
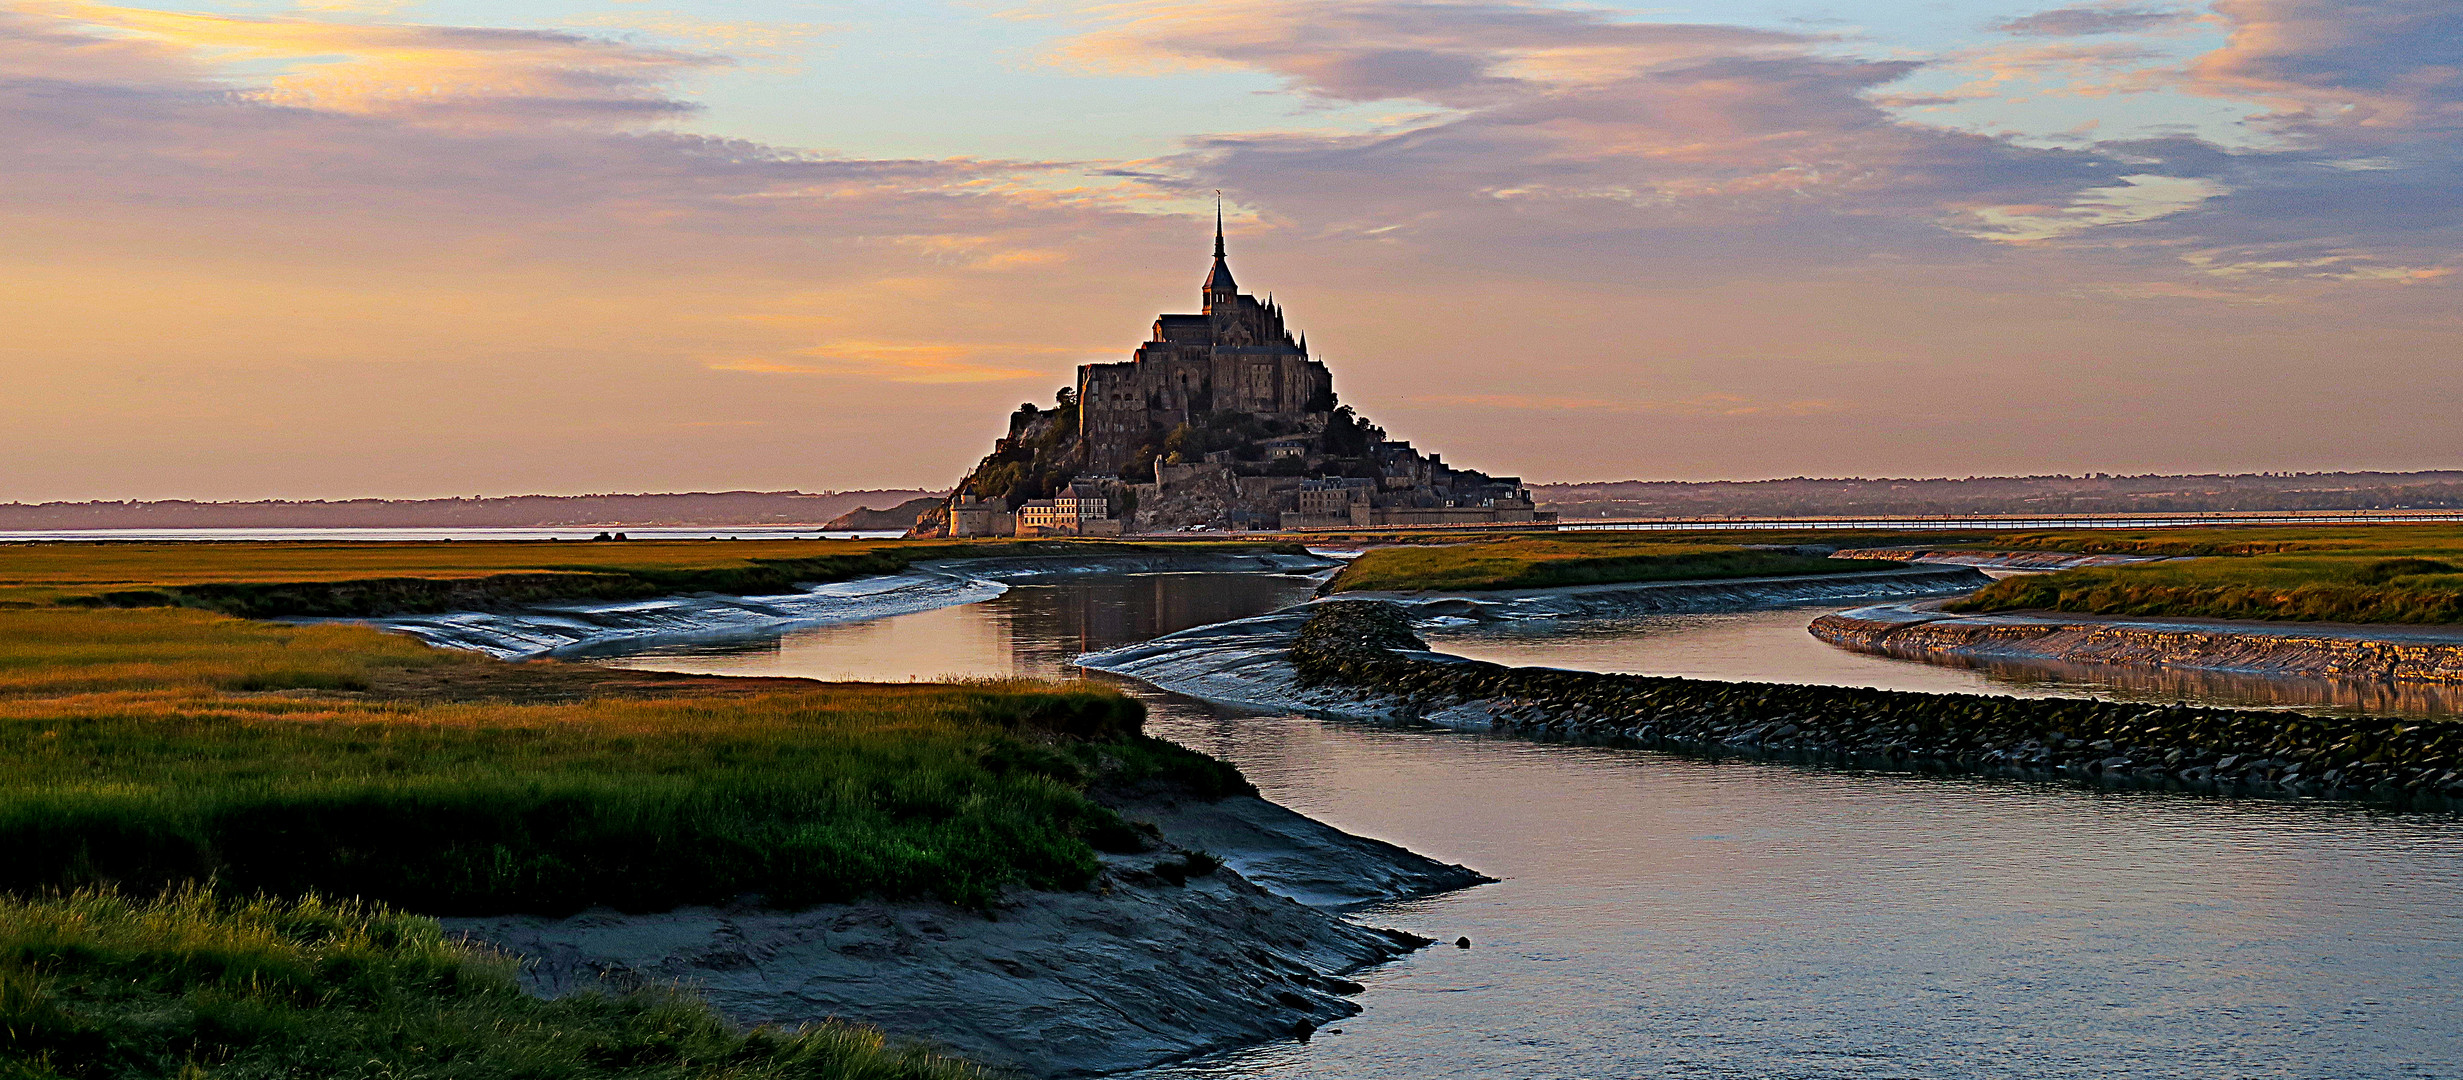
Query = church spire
x=1219 y=285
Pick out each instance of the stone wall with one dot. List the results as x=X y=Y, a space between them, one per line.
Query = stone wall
x=1368 y=647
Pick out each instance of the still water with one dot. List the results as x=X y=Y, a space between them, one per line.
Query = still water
x=1772 y=646
x=1666 y=917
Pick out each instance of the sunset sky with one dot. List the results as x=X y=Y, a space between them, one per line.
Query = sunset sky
x=331 y=249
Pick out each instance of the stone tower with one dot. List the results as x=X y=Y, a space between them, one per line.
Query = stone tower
x=1233 y=356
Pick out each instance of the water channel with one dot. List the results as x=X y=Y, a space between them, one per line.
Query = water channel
x=1666 y=917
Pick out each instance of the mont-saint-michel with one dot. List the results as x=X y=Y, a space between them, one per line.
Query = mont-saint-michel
x=1220 y=420
x=1727 y=544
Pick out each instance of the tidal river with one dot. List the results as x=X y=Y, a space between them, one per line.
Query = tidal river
x=1665 y=917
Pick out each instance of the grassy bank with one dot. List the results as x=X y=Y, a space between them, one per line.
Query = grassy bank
x=96 y=986
x=1536 y=562
x=270 y=579
x=2364 y=574
x=244 y=768
x=148 y=748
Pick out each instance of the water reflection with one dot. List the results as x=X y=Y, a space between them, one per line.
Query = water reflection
x=1032 y=630
x=1666 y=917
x=1772 y=646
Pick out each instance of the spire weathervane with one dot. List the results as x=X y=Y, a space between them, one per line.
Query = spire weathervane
x=1218 y=223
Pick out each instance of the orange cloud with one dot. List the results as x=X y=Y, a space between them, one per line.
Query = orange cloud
x=454 y=74
x=909 y=361
x=1702 y=405
x=334 y=255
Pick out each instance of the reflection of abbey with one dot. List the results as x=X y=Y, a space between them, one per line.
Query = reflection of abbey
x=1220 y=420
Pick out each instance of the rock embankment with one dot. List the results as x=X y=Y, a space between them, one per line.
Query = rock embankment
x=1367 y=648
x=1914 y=632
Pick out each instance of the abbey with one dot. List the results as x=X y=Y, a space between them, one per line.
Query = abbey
x=1234 y=356
x=1218 y=420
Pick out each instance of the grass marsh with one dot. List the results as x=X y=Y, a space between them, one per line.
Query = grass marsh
x=264 y=579
x=95 y=986
x=242 y=769
x=1534 y=562
x=2357 y=574
x=144 y=748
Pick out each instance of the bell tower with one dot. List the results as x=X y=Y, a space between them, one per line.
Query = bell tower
x=1221 y=292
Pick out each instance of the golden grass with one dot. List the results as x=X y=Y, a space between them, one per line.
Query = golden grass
x=45 y=572
x=176 y=654
x=2356 y=574
x=1533 y=562
x=153 y=746
x=51 y=571
x=95 y=985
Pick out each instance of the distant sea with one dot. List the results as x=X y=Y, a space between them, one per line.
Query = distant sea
x=543 y=532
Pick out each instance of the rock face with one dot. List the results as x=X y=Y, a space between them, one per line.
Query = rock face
x=1366 y=649
x=1169 y=956
x=1908 y=631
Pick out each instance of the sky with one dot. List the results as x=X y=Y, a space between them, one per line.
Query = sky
x=403 y=248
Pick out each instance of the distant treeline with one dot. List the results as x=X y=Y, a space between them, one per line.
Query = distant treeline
x=514 y=511
x=2094 y=493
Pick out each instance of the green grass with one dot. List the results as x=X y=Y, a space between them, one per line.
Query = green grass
x=145 y=748
x=242 y=769
x=1535 y=562
x=2353 y=574
x=97 y=987
x=271 y=579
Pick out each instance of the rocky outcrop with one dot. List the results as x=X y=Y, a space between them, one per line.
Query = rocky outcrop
x=1917 y=632
x=1367 y=651
x=1172 y=953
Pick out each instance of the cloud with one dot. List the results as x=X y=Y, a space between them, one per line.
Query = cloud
x=438 y=74
x=459 y=253
x=2347 y=71
x=2086 y=19
x=931 y=362
x=1565 y=133
x=1703 y=405
x=2136 y=198
x=1462 y=54
x=414 y=241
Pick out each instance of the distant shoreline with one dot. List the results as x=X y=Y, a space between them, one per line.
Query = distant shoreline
x=692 y=509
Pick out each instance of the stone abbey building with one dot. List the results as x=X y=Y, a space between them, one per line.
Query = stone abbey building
x=1219 y=420
x=1233 y=356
